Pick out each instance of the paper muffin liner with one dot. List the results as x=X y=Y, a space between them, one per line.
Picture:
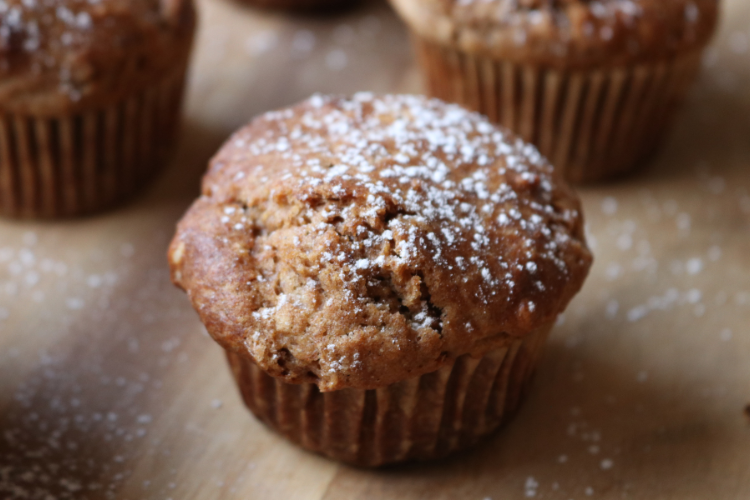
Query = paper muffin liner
x=417 y=419
x=591 y=125
x=73 y=165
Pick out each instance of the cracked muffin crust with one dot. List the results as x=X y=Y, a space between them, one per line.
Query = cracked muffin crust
x=565 y=33
x=62 y=56
x=356 y=242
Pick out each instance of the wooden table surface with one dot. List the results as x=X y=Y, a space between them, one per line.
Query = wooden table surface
x=110 y=388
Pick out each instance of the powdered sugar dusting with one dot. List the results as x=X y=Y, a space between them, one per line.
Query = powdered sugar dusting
x=56 y=38
x=598 y=31
x=419 y=149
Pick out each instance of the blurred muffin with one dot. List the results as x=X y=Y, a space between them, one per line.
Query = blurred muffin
x=297 y=4
x=594 y=84
x=382 y=271
x=90 y=96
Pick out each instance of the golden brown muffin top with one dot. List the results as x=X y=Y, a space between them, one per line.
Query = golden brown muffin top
x=62 y=55
x=355 y=242
x=565 y=33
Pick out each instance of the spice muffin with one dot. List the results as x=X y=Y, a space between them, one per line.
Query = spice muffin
x=90 y=96
x=297 y=4
x=594 y=84
x=382 y=271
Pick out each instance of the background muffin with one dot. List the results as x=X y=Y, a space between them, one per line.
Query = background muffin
x=594 y=84
x=382 y=271
x=297 y=4
x=90 y=96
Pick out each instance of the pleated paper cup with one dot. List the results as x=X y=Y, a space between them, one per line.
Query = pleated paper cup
x=80 y=164
x=417 y=419
x=591 y=124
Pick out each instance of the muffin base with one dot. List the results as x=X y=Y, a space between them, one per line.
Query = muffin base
x=591 y=125
x=73 y=165
x=418 y=419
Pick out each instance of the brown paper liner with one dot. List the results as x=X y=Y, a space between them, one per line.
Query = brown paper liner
x=73 y=165
x=591 y=125
x=422 y=418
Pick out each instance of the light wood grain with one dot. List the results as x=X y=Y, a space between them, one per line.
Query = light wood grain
x=110 y=388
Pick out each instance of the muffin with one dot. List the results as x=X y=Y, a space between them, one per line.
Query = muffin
x=382 y=271
x=297 y=4
x=90 y=96
x=594 y=84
